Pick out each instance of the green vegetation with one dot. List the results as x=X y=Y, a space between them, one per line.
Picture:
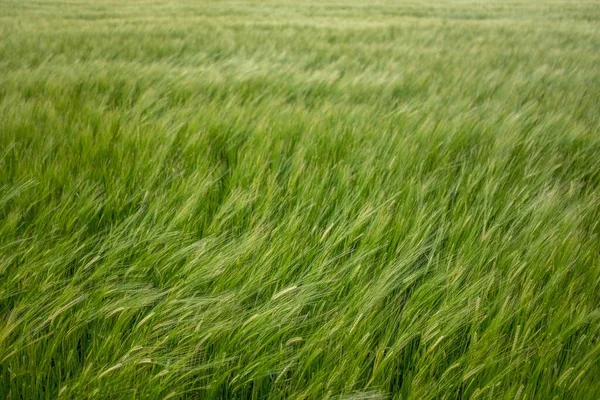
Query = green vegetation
x=299 y=199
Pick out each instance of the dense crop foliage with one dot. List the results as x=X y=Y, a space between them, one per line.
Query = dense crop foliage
x=299 y=199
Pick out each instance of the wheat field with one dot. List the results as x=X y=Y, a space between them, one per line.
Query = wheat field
x=299 y=199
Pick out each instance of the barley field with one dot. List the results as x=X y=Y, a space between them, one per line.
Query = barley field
x=299 y=199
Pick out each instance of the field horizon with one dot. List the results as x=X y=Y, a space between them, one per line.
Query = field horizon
x=300 y=200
